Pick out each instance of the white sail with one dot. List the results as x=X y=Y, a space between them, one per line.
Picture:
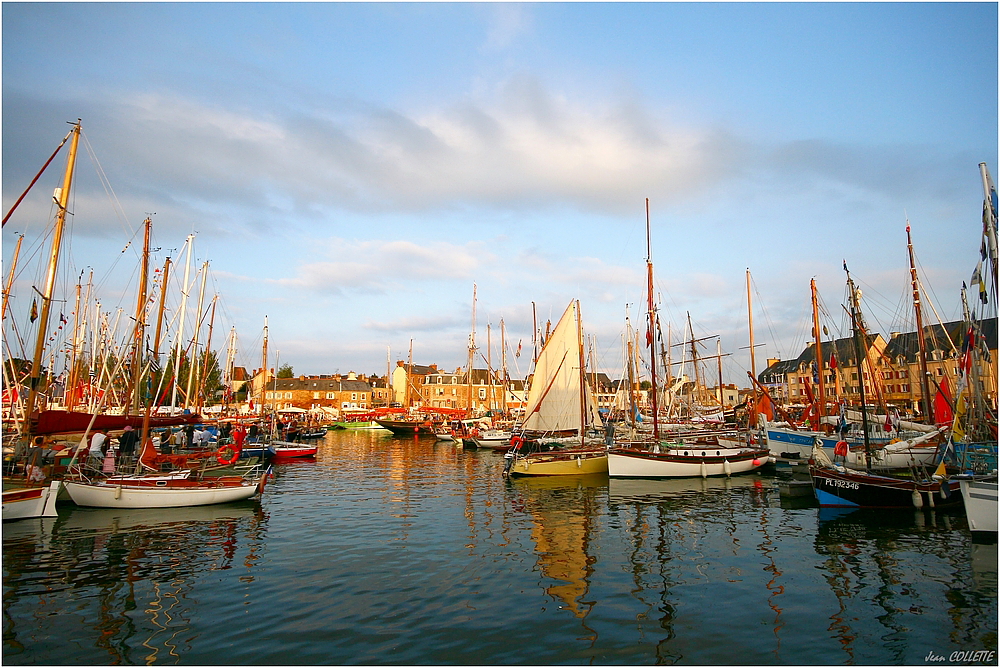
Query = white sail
x=559 y=399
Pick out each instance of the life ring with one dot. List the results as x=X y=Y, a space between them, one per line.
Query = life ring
x=515 y=442
x=227 y=455
x=840 y=449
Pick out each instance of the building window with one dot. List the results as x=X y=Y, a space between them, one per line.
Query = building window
x=330 y=395
x=268 y=395
x=482 y=393
x=354 y=396
x=315 y=395
x=288 y=395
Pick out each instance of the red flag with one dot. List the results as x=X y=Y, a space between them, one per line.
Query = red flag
x=943 y=413
x=833 y=361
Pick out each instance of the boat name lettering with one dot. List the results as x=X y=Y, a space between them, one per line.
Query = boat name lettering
x=847 y=484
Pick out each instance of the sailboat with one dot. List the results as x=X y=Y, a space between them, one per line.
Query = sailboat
x=653 y=459
x=838 y=486
x=974 y=431
x=560 y=434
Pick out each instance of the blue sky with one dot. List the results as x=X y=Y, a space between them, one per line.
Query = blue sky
x=351 y=170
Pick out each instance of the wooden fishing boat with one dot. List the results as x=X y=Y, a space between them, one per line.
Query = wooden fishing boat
x=560 y=401
x=168 y=490
x=839 y=487
x=683 y=462
x=288 y=450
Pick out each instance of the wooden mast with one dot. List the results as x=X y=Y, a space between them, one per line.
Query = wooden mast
x=855 y=324
x=140 y=319
x=156 y=354
x=583 y=375
x=820 y=380
x=263 y=370
x=62 y=201
x=651 y=332
x=752 y=413
x=925 y=389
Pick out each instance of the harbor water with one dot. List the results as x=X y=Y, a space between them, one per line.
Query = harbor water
x=389 y=550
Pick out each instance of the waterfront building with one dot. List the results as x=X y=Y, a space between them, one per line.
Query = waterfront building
x=314 y=393
x=896 y=364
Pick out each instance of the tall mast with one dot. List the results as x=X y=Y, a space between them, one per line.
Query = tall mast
x=10 y=277
x=820 y=380
x=472 y=348
x=718 y=347
x=925 y=389
x=140 y=319
x=180 y=327
x=156 y=354
x=263 y=370
x=855 y=318
x=193 y=365
x=752 y=416
x=583 y=374
x=62 y=201
x=230 y=361
x=694 y=363
x=203 y=376
x=990 y=220
x=651 y=334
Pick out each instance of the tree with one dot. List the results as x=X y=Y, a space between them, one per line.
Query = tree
x=285 y=371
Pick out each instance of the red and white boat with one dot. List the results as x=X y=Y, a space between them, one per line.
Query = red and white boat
x=289 y=450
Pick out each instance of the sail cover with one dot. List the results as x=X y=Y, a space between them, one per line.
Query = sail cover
x=554 y=398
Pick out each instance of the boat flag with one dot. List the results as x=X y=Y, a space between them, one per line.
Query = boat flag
x=833 y=361
x=943 y=413
x=518 y=353
x=34 y=310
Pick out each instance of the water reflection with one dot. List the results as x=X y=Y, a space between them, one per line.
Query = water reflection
x=892 y=571
x=563 y=511
x=128 y=575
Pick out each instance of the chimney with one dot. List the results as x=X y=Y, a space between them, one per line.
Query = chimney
x=351 y=375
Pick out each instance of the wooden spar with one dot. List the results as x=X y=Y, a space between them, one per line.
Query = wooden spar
x=50 y=282
x=650 y=336
x=821 y=381
x=722 y=401
x=139 y=335
x=263 y=370
x=37 y=176
x=925 y=390
x=10 y=277
x=203 y=377
x=472 y=349
x=180 y=326
x=193 y=366
x=583 y=375
x=155 y=356
x=855 y=316
x=752 y=413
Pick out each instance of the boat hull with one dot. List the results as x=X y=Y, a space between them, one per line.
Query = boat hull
x=102 y=495
x=27 y=502
x=637 y=463
x=856 y=489
x=288 y=450
x=561 y=463
x=408 y=427
x=980 y=497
